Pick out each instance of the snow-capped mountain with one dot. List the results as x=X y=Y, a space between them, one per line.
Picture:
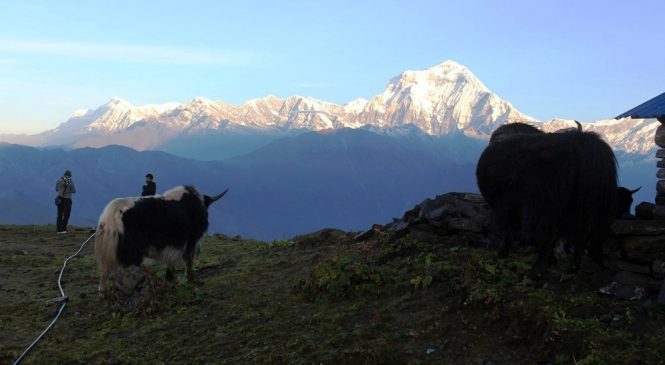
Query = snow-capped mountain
x=443 y=100
x=635 y=136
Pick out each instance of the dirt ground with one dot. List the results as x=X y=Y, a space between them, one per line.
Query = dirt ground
x=321 y=298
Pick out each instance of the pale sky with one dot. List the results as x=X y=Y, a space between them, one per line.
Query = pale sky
x=585 y=60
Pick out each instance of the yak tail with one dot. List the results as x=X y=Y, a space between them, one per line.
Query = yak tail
x=106 y=245
x=109 y=232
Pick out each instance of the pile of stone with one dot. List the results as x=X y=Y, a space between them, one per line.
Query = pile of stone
x=660 y=174
x=444 y=215
x=635 y=253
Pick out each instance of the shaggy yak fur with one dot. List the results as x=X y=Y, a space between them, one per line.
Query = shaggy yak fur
x=550 y=187
x=167 y=227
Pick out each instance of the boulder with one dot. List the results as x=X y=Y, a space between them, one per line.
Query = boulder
x=638 y=227
x=645 y=210
x=658 y=268
x=644 y=248
x=660 y=136
x=130 y=288
x=660 y=186
x=623 y=291
x=659 y=211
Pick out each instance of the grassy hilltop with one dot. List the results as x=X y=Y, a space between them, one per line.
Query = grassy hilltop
x=321 y=298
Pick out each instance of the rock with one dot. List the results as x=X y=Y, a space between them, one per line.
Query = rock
x=638 y=280
x=376 y=228
x=658 y=268
x=659 y=211
x=464 y=224
x=637 y=268
x=644 y=248
x=130 y=288
x=612 y=247
x=660 y=173
x=660 y=136
x=660 y=153
x=645 y=210
x=444 y=213
x=638 y=227
x=660 y=163
x=623 y=291
x=661 y=294
x=431 y=209
x=660 y=198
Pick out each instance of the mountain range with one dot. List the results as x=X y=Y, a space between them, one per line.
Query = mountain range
x=294 y=164
x=443 y=100
x=349 y=178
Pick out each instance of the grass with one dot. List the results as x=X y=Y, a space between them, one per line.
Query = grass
x=320 y=298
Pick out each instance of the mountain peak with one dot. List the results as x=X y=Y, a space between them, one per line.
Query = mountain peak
x=450 y=64
x=201 y=100
x=118 y=102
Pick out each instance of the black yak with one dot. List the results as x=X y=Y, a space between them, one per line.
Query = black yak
x=550 y=186
x=167 y=227
x=513 y=130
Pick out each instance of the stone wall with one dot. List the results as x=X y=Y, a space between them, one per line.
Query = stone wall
x=634 y=261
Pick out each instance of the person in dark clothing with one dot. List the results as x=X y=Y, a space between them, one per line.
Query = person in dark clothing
x=150 y=188
x=65 y=188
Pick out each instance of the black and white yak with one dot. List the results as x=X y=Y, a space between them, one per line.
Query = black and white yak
x=550 y=187
x=168 y=227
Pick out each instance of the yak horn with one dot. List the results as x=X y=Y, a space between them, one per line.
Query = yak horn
x=217 y=197
x=211 y=199
x=635 y=191
x=579 y=126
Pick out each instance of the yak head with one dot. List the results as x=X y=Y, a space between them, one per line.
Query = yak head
x=624 y=200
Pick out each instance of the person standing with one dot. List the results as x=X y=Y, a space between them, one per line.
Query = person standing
x=65 y=188
x=150 y=188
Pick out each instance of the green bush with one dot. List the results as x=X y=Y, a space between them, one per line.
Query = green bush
x=346 y=275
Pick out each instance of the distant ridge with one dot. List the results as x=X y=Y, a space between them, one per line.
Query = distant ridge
x=443 y=100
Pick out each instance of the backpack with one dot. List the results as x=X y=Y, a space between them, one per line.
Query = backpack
x=58 y=199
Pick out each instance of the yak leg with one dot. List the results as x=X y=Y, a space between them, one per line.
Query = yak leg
x=505 y=217
x=545 y=248
x=544 y=236
x=577 y=258
x=188 y=270
x=189 y=266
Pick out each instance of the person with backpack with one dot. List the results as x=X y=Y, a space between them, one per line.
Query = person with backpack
x=65 y=188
